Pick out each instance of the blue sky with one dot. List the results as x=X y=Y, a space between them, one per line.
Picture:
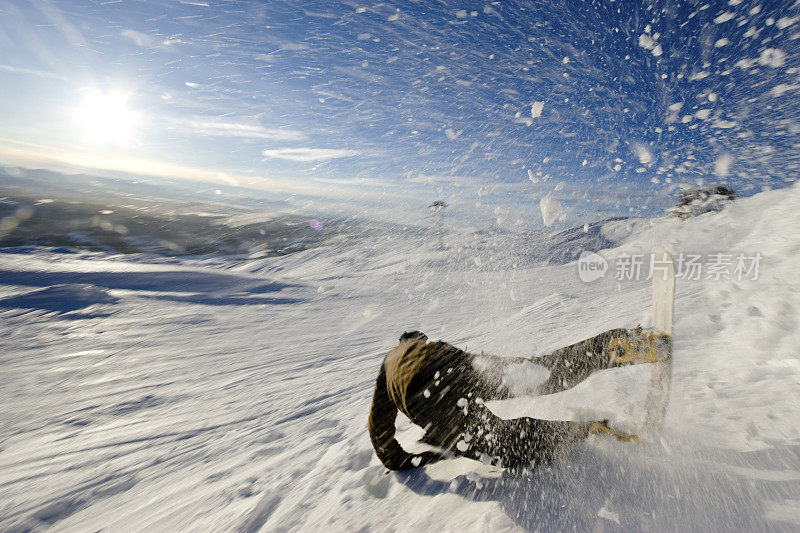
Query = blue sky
x=606 y=106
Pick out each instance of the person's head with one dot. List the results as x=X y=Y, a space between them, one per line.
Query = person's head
x=412 y=335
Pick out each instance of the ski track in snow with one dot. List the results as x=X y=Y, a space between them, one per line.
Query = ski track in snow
x=228 y=395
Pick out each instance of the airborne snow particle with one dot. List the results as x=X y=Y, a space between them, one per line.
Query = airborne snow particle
x=772 y=57
x=608 y=515
x=536 y=109
x=452 y=134
x=721 y=42
x=722 y=165
x=782 y=88
x=725 y=17
x=724 y=124
x=551 y=210
x=643 y=154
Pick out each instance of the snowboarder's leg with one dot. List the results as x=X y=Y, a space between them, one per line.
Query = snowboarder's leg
x=452 y=411
x=572 y=364
x=517 y=442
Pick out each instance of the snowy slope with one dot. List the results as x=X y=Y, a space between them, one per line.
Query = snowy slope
x=200 y=394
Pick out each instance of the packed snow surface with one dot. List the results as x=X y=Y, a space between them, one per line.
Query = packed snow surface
x=146 y=393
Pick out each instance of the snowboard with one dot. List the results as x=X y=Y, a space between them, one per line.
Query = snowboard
x=652 y=346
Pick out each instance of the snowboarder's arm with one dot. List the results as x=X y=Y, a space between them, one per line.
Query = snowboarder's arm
x=382 y=429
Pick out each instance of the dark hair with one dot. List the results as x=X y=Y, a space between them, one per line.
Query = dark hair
x=408 y=335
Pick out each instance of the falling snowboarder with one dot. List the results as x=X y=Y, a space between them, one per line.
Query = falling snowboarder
x=443 y=389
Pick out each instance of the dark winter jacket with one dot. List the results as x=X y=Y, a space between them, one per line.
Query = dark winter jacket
x=405 y=370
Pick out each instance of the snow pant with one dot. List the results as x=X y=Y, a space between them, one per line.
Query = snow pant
x=447 y=400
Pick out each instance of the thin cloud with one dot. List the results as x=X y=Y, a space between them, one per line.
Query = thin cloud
x=32 y=155
x=310 y=154
x=253 y=131
x=32 y=72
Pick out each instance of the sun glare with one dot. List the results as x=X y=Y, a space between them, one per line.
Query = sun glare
x=106 y=119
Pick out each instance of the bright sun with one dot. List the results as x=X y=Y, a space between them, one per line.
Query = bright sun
x=106 y=119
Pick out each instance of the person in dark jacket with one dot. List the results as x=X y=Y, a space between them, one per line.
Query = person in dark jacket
x=442 y=389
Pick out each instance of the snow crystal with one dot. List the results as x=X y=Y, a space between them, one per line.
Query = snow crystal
x=462 y=402
x=536 y=110
x=426 y=393
x=702 y=114
x=462 y=446
x=785 y=22
x=721 y=42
